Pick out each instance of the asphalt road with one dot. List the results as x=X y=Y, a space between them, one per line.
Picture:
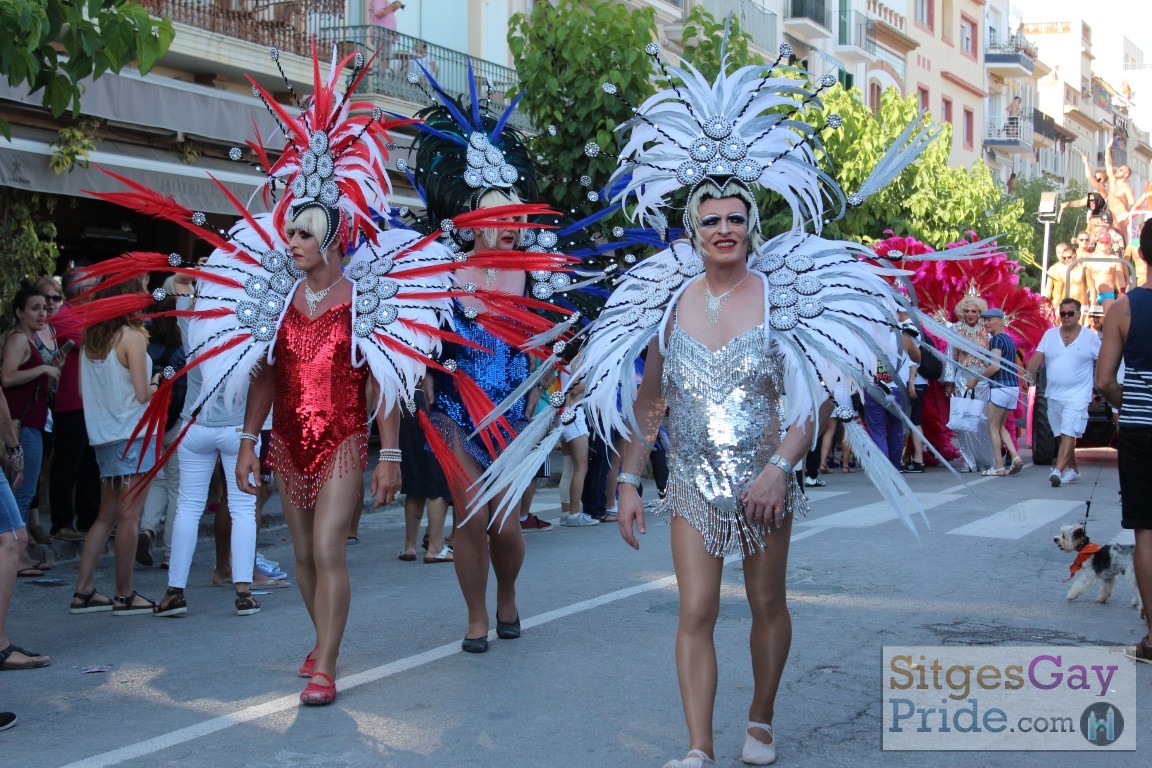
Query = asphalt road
x=592 y=681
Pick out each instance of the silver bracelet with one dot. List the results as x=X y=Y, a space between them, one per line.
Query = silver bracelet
x=629 y=479
x=391 y=454
x=782 y=463
x=250 y=436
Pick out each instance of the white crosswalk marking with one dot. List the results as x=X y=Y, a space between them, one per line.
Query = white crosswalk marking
x=815 y=495
x=878 y=512
x=1018 y=520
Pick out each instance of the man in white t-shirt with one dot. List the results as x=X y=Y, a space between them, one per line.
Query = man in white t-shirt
x=1068 y=353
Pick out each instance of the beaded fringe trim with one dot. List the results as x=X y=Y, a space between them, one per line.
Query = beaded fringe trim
x=302 y=488
x=724 y=532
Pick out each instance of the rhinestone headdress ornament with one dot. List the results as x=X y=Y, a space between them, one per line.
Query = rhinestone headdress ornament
x=335 y=154
x=742 y=127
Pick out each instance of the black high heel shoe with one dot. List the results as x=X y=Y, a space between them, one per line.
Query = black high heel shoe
x=475 y=644
x=508 y=630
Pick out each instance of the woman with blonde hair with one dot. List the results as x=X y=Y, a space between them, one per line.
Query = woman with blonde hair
x=975 y=447
x=115 y=375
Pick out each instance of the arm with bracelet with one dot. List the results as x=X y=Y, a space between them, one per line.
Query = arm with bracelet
x=649 y=410
x=261 y=393
x=385 y=482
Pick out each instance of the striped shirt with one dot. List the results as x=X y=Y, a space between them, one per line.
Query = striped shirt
x=1136 y=410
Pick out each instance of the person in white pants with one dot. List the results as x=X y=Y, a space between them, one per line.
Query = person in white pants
x=214 y=436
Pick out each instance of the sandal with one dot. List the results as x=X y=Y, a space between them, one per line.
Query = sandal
x=824 y=469
x=246 y=605
x=993 y=472
x=444 y=556
x=309 y=666
x=405 y=556
x=86 y=605
x=177 y=605
x=35 y=660
x=1142 y=651
x=1017 y=465
x=316 y=695
x=126 y=606
x=30 y=572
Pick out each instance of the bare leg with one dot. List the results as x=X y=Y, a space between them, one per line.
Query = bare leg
x=771 y=636
x=1143 y=564
x=474 y=551
x=437 y=514
x=1066 y=456
x=996 y=431
x=127 y=523
x=413 y=513
x=578 y=451
x=222 y=532
x=354 y=523
x=97 y=536
x=318 y=541
x=698 y=576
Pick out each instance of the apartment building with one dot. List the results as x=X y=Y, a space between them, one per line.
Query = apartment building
x=175 y=126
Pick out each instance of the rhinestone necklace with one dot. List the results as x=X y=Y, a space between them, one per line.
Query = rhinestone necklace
x=315 y=298
x=716 y=303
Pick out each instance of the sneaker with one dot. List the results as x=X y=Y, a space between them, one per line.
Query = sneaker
x=533 y=523
x=1070 y=476
x=814 y=482
x=269 y=569
x=579 y=520
x=914 y=468
x=68 y=534
x=1055 y=478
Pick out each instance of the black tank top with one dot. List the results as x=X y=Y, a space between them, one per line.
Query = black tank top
x=1137 y=403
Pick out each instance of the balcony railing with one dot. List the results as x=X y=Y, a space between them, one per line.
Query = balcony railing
x=398 y=56
x=815 y=10
x=1043 y=124
x=288 y=25
x=291 y=25
x=757 y=23
x=1011 y=44
x=1013 y=130
x=858 y=30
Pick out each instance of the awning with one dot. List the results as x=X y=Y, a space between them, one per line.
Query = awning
x=24 y=165
x=169 y=104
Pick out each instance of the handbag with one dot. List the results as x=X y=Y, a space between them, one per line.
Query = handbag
x=964 y=412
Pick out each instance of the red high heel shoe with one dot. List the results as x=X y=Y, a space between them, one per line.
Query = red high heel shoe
x=316 y=695
x=308 y=668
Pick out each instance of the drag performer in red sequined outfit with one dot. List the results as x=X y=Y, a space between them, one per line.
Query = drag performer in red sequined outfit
x=319 y=440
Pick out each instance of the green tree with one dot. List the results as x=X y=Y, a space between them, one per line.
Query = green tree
x=563 y=53
x=702 y=35
x=27 y=240
x=53 y=45
x=931 y=200
x=1063 y=231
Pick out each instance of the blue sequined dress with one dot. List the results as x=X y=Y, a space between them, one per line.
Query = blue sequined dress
x=498 y=369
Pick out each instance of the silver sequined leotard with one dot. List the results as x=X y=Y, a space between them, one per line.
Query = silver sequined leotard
x=724 y=418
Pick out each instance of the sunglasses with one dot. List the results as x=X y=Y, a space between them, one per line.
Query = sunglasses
x=1081 y=239
x=1068 y=314
x=54 y=298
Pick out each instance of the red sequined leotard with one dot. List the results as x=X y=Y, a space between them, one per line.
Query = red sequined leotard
x=321 y=403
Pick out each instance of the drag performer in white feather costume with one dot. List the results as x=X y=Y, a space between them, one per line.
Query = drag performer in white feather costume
x=279 y=316
x=746 y=341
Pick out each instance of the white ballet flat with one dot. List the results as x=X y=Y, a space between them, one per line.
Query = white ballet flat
x=757 y=752
x=694 y=759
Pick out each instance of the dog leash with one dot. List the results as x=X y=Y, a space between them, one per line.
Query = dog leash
x=1091 y=495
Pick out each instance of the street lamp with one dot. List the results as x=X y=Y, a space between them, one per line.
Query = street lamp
x=1049 y=205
